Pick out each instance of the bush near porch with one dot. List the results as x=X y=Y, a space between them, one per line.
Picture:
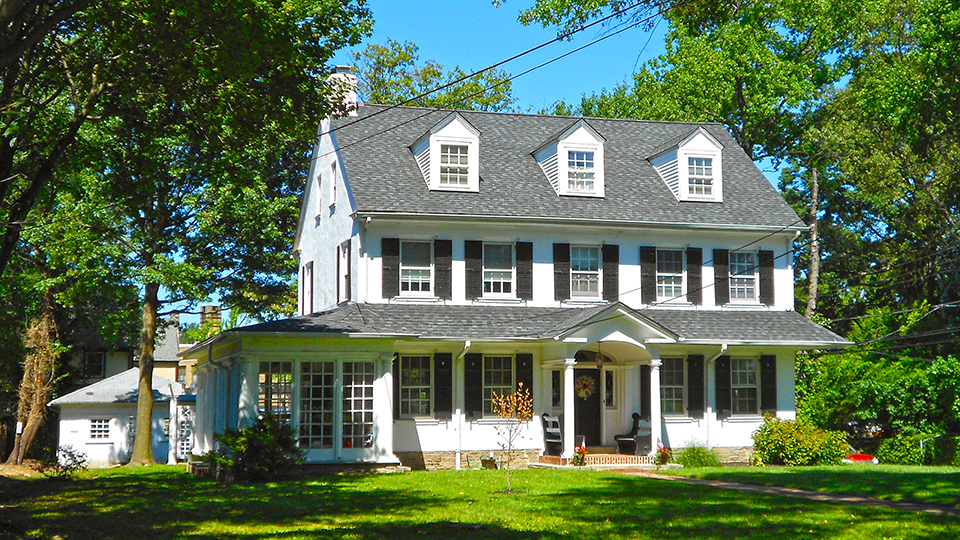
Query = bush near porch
x=795 y=443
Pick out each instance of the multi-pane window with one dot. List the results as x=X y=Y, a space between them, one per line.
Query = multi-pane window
x=669 y=274
x=317 y=388
x=276 y=390
x=743 y=276
x=99 y=428
x=454 y=165
x=498 y=269
x=415 y=267
x=358 y=380
x=700 y=176
x=497 y=377
x=580 y=171
x=585 y=271
x=671 y=386
x=743 y=385
x=94 y=364
x=415 y=385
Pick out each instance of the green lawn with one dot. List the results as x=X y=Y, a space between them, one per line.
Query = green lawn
x=938 y=485
x=164 y=503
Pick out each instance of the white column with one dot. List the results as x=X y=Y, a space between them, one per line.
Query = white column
x=383 y=412
x=568 y=397
x=655 y=429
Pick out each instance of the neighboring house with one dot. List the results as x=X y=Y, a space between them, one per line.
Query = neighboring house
x=100 y=419
x=612 y=266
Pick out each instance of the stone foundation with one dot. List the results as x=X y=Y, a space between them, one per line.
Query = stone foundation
x=733 y=456
x=436 y=461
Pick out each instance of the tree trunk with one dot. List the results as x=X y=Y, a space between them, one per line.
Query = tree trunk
x=813 y=271
x=36 y=386
x=142 y=443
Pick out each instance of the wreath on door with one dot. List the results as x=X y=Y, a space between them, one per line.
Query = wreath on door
x=586 y=386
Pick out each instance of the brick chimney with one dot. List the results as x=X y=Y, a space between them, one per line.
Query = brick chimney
x=210 y=313
x=344 y=84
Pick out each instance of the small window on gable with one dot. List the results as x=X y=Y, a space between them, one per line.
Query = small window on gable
x=573 y=161
x=449 y=155
x=454 y=165
x=692 y=167
x=581 y=174
x=700 y=176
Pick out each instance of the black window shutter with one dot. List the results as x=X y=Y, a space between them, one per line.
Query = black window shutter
x=645 y=392
x=695 y=376
x=443 y=268
x=525 y=270
x=724 y=403
x=525 y=371
x=473 y=385
x=768 y=384
x=766 y=277
x=721 y=271
x=561 y=272
x=473 y=262
x=396 y=386
x=610 y=253
x=695 y=276
x=648 y=275
x=390 y=252
x=443 y=385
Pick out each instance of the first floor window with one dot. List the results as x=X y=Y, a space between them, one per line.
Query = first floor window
x=700 y=176
x=276 y=390
x=743 y=276
x=744 y=388
x=671 y=386
x=580 y=171
x=415 y=385
x=498 y=269
x=100 y=428
x=585 y=271
x=556 y=380
x=497 y=378
x=608 y=389
x=669 y=274
x=454 y=165
x=415 y=268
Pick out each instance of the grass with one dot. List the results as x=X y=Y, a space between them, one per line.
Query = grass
x=937 y=485
x=165 y=503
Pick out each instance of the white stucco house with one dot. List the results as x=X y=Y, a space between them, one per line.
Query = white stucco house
x=612 y=266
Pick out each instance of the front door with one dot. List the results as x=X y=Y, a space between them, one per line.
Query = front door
x=336 y=410
x=586 y=408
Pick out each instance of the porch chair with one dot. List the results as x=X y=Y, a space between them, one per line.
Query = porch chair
x=636 y=441
x=552 y=436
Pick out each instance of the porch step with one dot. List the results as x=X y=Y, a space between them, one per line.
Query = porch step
x=601 y=460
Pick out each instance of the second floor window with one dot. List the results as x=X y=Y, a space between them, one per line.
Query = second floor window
x=585 y=271
x=498 y=269
x=580 y=171
x=743 y=276
x=454 y=165
x=671 y=386
x=700 y=176
x=415 y=268
x=669 y=274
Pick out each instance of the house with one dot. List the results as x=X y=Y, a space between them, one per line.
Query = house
x=612 y=266
x=100 y=419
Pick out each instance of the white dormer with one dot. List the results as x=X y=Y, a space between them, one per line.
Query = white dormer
x=573 y=161
x=692 y=167
x=449 y=155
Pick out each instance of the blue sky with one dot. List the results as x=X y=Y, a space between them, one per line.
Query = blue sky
x=474 y=34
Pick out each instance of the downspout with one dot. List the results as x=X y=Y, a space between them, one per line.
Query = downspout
x=466 y=347
x=709 y=418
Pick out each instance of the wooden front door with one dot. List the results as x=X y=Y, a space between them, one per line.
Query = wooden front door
x=586 y=408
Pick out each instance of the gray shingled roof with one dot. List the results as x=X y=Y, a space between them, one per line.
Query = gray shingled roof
x=509 y=322
x=120 y=388
x=384 y=176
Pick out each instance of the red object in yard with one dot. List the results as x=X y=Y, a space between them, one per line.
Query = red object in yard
x=860 y=457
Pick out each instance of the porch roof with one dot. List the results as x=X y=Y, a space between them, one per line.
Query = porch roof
x=786 y=328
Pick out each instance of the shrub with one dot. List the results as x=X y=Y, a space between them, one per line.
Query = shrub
x=259 y=453
x=65 y=464
x=904 y=449
x=697 y=455
x=795 y=443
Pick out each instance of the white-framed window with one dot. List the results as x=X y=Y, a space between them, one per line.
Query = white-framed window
x=333 y=184
x=609 y=390
x=498 y=270
x=416 y=268
x=584 y=271
x=743 y=275
x=275 y=395
x=669 y=274
x=581 y=173
x=320 y=187
x=415 y=386
x=700 y=176
x=94 y=364
x=744 y=386
x=343 y=272
x=672 y=387
x=307 y=287
x=454 y=165
x=497 y=378
x=99 y=428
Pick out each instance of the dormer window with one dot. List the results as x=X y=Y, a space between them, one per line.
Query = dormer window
x=692 y=166
x=449 y=155
x=700 y=176
x=573 y=161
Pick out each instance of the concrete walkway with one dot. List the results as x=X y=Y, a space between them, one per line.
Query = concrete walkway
x=806 y=494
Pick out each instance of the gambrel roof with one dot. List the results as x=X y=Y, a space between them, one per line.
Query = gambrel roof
x=384 y=176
